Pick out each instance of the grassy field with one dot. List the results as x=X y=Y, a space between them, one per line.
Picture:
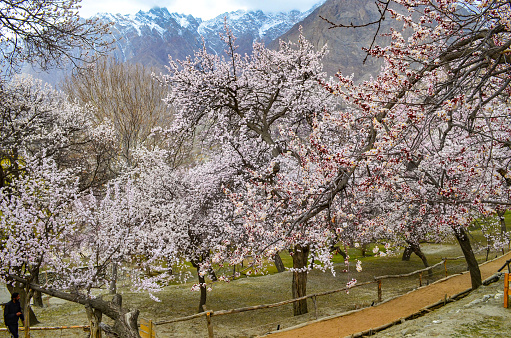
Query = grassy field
x=178 y=301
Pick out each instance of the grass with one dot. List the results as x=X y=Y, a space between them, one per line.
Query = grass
x=177 y=300
x=482 y=328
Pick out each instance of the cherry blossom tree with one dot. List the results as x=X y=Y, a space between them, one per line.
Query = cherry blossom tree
x=38 y=121
x=115 y=230
x=189 y=210
x=38 y=230
x=43 y=174
x=270 y=208
x=76 y=237
x=33 y=208
x=41 y=122
x=423 y=147
x=47 y=222
x=47 y=32
x=244 y=107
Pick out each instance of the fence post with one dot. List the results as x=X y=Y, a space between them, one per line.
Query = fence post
x=445 y=267
x=208 y=320
x=506 y=290
x=315 y=307
x=420 y=279
x=26 y=309
x=379 y=290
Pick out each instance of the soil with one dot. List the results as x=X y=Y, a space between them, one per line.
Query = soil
x=480 y=314
x=459 y=323
x=177 y=301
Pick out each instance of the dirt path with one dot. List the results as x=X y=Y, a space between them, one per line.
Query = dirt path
x=392 y=310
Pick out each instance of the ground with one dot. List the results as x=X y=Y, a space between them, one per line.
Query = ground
x=178 y=301
x=480 y=314
x=395 y=310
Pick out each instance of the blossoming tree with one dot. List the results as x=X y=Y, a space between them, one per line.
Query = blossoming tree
x=46 y=144
x=240 y=104
x=424 y=145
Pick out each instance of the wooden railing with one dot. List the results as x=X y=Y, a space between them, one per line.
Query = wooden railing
x=208 y=314
x=21 y=328
x=148 y=330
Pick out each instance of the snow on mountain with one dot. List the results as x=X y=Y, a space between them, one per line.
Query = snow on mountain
x=149 y=37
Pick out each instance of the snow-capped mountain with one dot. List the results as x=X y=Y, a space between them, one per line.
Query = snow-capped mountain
x=149 y=37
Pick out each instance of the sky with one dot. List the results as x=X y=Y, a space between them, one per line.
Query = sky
x=204 y=9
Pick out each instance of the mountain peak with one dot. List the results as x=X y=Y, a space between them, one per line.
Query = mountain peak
x=149 y=37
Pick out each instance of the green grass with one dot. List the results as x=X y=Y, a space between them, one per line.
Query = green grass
x=485 y=327
x=177 y=300
x=268 y=286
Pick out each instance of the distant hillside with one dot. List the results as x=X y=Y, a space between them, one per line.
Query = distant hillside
x=345 y=44
x=149 y=37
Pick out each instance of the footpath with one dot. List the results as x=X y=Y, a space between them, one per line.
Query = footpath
x=390 y=311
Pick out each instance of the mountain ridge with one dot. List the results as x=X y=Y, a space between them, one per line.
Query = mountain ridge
x=149 y=37
x=346 y=45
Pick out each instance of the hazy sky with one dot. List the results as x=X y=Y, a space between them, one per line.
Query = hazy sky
x=205 y=9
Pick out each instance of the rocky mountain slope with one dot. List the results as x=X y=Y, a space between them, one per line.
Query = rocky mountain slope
x=345 y=44
x=149 y=37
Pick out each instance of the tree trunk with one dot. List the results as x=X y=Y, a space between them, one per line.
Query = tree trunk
x=342 y=253
x=337 y=250
x=363 y=250
x=212 y=274
x=417 y=250
x=112 y=288
x=278 y=263
x=125 y=320
x=503 y=228
x=94 y=317
x=203 y=291
x=169 y=267
x=407 y=254
x=126 y=323
x=502 y=220
x=473 y=266
x=26 y=309
x=202 y=286
x=299 y=286
x=38 y=297
x=31 y=315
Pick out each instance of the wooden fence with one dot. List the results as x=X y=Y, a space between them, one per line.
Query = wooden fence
x=48 y=328
x=148 y=330
x=208 y=314
x=36 y=328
